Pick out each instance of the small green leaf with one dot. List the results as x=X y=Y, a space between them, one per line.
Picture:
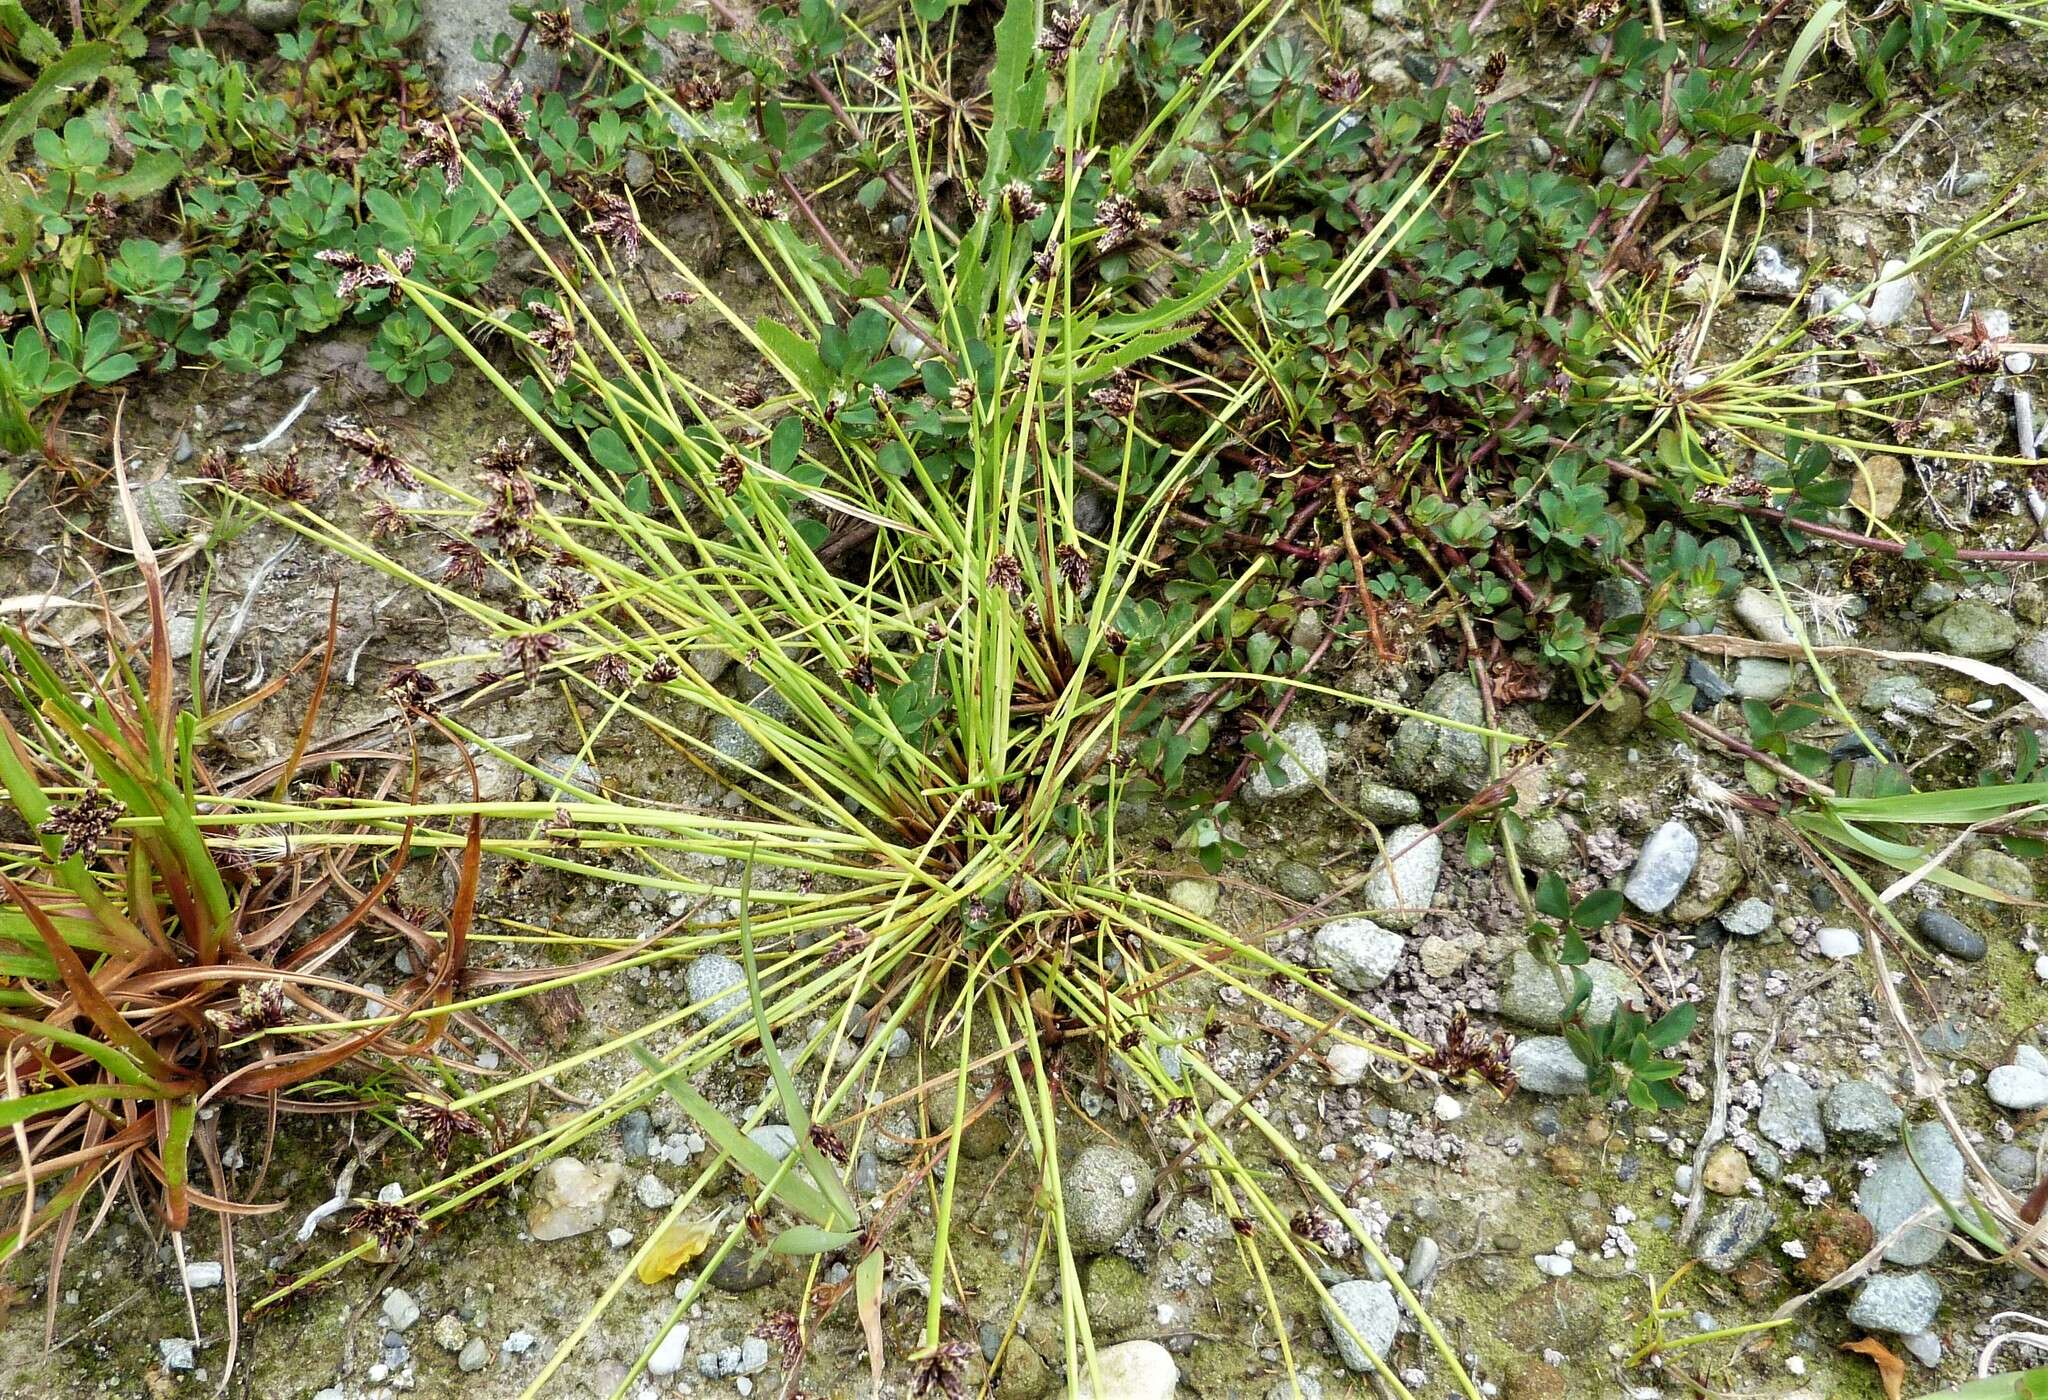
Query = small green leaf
x=1598 y=909
x=786 y=442
x=811 y=1239
x=1674 y=1026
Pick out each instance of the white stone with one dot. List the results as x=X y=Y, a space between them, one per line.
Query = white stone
x=1304 y=763
x=1838 y=943
x=1348 y=1063
x=1198 y=897
x=1359 y=953
x=1895 y=294
x=1401 y=888
x=1761 y=614
x=2020 y=1088
x=569 y=1198
x=1547 y=1064
x=1370 y=1307
x=1769 y=274
x=1661 y=871
x=400 y=1311
x=1138 y=1370
x=202 y=1273
x=668 y=1352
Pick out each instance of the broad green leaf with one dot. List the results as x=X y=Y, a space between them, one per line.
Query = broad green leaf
x=795 y=358
x=77 y=66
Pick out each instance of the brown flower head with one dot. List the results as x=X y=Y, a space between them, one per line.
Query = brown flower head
x=359 y=276
x=505 y=105
x=390 y=1224
x=411 y=690
x=1496 y=69
x=83 y=824
x=1056 y=42
x=505 y=456
x=830 y=1143
x=381 y=463
x=613 y=219
x=1340 y=85
x=941 y=1372
x=259 y=1006
x=1006 y=573
x=554 y=337
x=559 y=593
x=1073 y=566
x=530 y=652
x=1321 y=1230
x=784 y=1328
x=697 y=94
x=1120 y=220
x=1020 y=205
x=385 y=521
x=215 y=464
x=555 y=29
x=437 y=1126
x=1460 y=128
x=285 y=479
x=1464 y=1051
x=465 y=567
x=1119 y=396
x=513 y=500
x=861 y=674
x=434 y=144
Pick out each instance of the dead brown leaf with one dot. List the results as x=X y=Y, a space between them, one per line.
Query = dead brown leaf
x=1890 y=1370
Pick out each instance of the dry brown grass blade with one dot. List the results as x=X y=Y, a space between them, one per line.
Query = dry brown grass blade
x=281 y=919
x=269 y=1076
x=86 y=993
x=162 y=698
x=320 y=947
x=299 y=746
x=209 y=1148
x=462 y=914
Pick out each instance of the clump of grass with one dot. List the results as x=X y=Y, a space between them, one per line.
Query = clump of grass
x=945 y=673
x=142 y=949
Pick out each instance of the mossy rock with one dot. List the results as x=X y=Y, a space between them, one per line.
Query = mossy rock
x=1116 y=1298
